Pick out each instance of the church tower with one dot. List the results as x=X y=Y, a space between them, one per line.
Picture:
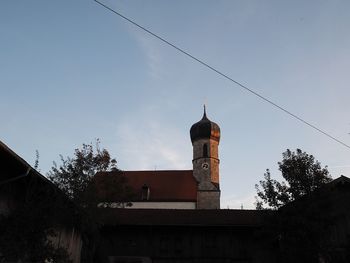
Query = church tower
x=205 y=137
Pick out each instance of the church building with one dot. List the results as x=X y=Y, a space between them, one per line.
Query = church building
x=176 y=216
x=198 y=188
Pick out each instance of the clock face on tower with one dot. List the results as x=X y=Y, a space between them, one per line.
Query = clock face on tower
x=205 y=166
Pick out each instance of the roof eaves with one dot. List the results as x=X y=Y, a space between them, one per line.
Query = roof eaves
x=29 y=170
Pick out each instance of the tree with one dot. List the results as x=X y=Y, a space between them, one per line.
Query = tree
x=84 y=180
x=273 y=193
x=297 y=227
x=302 y=173
x=75 y=175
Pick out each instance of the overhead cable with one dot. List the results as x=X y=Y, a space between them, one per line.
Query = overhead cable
x=224 y=75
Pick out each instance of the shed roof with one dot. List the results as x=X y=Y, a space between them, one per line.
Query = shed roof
x=174 y=217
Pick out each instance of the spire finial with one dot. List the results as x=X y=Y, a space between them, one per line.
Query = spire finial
x=205 y=112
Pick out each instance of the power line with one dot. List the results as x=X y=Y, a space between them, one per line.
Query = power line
x=224 y=75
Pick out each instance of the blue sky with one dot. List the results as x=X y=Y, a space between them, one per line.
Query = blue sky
x=71 y=71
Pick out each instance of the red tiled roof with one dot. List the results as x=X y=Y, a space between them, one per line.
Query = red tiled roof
x=164 y=185
x=196 y=217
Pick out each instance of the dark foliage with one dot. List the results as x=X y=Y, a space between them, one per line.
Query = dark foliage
x=76 y=177
x=302 y=173
x=35 y=217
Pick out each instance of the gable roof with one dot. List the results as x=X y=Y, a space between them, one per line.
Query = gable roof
x=164 y=185
x=13 y=167
x=339 y=181
x=333 y=193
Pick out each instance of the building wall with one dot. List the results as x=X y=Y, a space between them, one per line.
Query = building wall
x=164 y=205
x=183 y=244
x=208 y=194
x=71 y=240
x=205 y=177
x=67 y=238
x=323 y=218
x=5 y=204
x=208 y=200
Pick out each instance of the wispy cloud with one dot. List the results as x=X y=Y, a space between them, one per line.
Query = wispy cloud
x=152 y=147
x=150 y=47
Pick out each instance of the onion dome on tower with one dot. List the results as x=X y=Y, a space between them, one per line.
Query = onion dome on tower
x=205 y=129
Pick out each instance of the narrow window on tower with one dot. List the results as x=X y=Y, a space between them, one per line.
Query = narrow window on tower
x=205 y=150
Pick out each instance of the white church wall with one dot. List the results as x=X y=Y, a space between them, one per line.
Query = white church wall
x=164 y=205
x=153 y=205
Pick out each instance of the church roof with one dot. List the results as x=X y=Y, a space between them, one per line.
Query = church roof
x=173 y=217
x=163 y=185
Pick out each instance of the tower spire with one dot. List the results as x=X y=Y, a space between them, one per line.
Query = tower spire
x=205 y=112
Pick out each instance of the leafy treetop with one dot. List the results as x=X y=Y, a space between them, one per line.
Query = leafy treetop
x=302 y=173
x=75 y=174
